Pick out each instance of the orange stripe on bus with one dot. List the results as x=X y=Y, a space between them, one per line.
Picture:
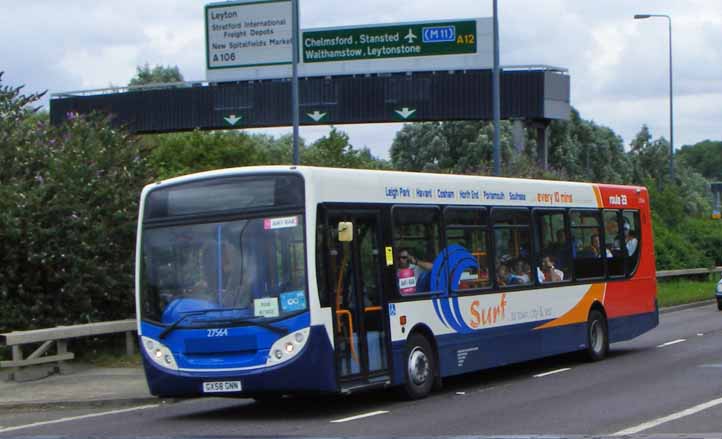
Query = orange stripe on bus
x=598 y=195
x=580 y=312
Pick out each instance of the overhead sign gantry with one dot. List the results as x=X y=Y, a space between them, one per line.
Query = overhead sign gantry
x=396 y=72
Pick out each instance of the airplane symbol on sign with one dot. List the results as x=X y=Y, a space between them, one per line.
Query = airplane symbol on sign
x=410 y=37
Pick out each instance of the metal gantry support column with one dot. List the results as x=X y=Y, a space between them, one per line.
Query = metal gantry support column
x=294 y=88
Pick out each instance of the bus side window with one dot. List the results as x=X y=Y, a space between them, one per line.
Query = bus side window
x=630 y=230
x=613 y=244
x=417 y=245
x=512 y=243
x=467 y=243
x=555 y=256
x=586 y=244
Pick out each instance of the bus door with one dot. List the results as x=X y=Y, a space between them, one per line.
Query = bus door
x=355 y=258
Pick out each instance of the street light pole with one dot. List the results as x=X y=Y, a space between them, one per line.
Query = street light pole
x=671 y=94
x=496 y=104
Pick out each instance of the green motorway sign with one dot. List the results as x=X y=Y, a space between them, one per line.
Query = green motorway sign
x=395 y=41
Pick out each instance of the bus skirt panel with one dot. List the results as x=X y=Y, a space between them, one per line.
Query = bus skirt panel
x=494 y=347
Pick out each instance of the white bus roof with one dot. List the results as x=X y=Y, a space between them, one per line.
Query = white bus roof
x=331 y=185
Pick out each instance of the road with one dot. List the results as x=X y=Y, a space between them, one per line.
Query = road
x=667 y=381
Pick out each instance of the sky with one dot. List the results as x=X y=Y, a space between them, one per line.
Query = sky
x=618 y=65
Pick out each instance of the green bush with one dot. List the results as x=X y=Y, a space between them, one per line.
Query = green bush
x=676 y=250
x=68 y=208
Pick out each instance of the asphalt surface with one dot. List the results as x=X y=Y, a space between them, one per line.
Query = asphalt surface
x=655 y=384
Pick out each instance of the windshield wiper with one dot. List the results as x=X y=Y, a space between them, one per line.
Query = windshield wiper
x=240 y=322
x=175 y=324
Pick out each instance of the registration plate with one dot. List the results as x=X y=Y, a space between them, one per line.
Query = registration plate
x=222 y=386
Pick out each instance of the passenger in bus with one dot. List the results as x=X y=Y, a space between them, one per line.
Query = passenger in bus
x=595 y=248
x=502 y=274
x=520 y=273
x=410 y=271
x=630 y=239
x=559 y=249
x=548 y=272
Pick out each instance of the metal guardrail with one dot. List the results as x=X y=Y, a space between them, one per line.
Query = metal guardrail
x=57 y=338
x=687 y=272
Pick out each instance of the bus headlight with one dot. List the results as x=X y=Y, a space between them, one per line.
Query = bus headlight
x=159 y=353
x=287 y=347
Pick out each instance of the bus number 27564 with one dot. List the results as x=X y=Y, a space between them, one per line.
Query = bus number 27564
x=218 y=332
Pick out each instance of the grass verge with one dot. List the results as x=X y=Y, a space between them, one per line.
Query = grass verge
x=678 y=292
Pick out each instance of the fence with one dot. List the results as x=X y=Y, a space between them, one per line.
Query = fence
x=57 y=339
x=663 y=274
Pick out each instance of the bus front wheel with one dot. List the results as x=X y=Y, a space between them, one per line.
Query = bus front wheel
x=420 y=367
x=597 y=336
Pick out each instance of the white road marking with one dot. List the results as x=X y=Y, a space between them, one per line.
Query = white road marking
x=461 y=393
x=670 y=343
x=365 y=415
x=552 y=372
x=76 y=418
x=699 y=334
x=672 y=417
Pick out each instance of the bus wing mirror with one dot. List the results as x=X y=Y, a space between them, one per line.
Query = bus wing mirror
x=345 y=231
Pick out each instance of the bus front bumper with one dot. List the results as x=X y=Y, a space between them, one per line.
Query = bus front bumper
x=312 y=370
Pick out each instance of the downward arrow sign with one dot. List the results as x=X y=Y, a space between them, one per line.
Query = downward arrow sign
x=405 y=112
x=316 y=115
x=233 y=119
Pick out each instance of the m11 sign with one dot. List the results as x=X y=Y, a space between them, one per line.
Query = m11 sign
x=399 y=47
x=253 y=40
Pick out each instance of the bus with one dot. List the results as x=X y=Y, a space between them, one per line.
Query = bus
x=269 y=281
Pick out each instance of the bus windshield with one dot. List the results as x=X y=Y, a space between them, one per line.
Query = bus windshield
x=244 y=269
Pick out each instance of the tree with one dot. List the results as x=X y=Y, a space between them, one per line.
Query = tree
x=171 y=155
x=462 y=147
x=157 y=75
x=704 y=157
x=68 y=210
x=580 y=149
x=335 y=150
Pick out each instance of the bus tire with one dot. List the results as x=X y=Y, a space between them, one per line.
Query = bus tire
x=597 y=336
x=420 y=367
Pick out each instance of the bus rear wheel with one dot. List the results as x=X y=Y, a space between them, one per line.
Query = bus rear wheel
x=597 y=336
x=420 y=367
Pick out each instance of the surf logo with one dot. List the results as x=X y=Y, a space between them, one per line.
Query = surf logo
x=489 y=315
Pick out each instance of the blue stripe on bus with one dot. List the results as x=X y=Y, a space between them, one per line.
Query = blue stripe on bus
x=438 y=312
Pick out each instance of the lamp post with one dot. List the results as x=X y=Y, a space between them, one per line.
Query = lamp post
x=671 y=99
